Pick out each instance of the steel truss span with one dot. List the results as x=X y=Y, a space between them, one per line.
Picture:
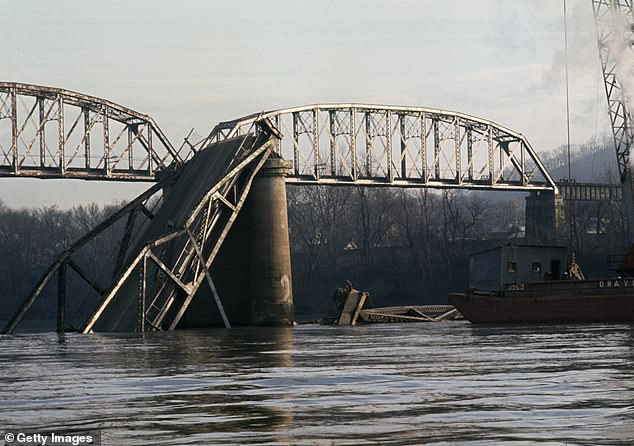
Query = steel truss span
x=54 y=133
x=376 y=145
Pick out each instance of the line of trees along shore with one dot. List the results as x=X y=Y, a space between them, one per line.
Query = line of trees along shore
x=32 y=239
x=403 y=246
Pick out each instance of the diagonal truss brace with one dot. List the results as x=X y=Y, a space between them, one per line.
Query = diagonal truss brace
x=198 y=250
x=66 y=256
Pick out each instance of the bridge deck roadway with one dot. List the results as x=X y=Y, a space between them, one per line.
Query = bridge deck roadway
x=199 y=175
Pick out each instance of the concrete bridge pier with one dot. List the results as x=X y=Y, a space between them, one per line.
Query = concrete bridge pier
x=252 y=271
x=271 y=283
x=545 y=218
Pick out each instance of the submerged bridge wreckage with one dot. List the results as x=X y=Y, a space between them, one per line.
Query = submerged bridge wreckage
x=207 y=244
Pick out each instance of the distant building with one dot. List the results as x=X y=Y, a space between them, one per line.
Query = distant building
x=511 y=264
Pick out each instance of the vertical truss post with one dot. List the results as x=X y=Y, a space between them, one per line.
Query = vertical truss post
x=388 y=143
x=502 y=148
x=61 y=298
x=296 y=118
x=436 y=150
x=86 y=112
x=14 y=128
x=368 y=145
x=353 y=144
x=42 y=135
x=456 y=138
x=151 y=168
x=130 y=154
x=522 y=160
x=61 y=139
x=333 y=143
x=106 y=142
x=470 y=152
x=490 y=153
x=403 y=130
x=315 y=142
x=423 y=146
x=141 y=295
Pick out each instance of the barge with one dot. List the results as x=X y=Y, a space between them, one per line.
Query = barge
x=503 y=289
x=564 y=301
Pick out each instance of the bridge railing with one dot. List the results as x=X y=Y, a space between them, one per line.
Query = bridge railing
x=50 y=132
x=398 y=146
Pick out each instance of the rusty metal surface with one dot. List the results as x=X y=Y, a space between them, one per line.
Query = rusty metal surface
x=50 y=132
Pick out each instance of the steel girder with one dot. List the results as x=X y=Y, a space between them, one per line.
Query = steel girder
x=54 y=133
x=376 y=145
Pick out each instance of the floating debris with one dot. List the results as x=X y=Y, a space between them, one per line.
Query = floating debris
x=350 y=306
x=346 y=305
x=411 y=313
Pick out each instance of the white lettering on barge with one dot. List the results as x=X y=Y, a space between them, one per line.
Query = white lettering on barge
x=616 y=283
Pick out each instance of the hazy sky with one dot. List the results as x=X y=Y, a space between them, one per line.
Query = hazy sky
x=194 y=63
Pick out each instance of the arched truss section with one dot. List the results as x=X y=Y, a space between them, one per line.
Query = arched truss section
x=398 y=146
x=53 y=133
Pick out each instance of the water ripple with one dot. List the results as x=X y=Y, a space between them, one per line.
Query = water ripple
x=446 y=383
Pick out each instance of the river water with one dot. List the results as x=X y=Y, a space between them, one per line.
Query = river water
x=424 y=383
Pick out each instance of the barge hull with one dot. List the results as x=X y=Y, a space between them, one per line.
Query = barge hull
x=568 y=308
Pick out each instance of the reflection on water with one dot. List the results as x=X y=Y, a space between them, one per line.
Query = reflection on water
x=393 y=384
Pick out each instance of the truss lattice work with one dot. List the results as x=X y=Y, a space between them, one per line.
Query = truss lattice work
x=162 y=304
x=50 y=132
x=614 y=20
x=398 y=146
x=134 y=216
x=615 y=36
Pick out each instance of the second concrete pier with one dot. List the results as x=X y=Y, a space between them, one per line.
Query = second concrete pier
x=271 y=283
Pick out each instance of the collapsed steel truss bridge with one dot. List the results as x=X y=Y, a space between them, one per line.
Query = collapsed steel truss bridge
x=170 y=235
